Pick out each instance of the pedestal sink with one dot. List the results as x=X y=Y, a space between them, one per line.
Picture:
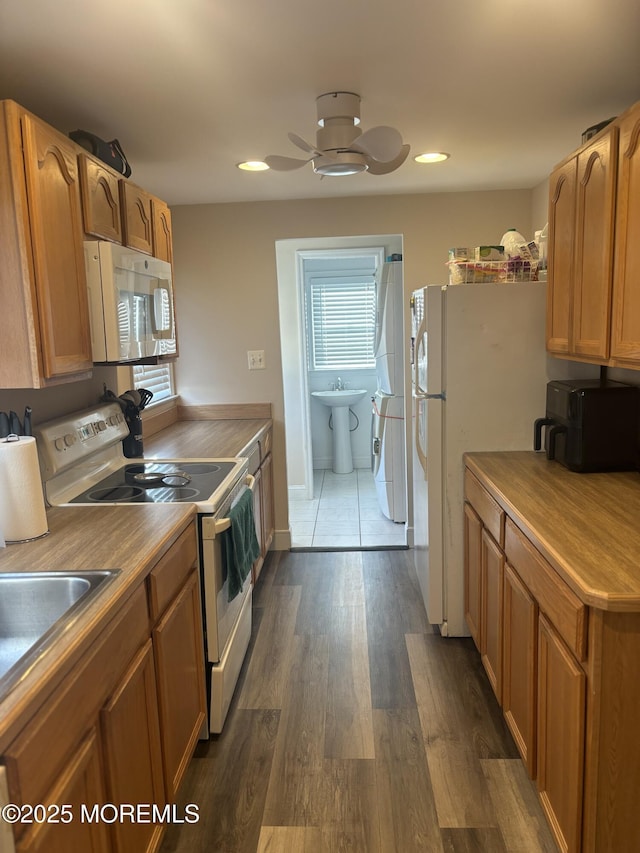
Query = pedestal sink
x=339 y=402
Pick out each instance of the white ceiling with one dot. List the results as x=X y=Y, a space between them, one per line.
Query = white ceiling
x=191 y=87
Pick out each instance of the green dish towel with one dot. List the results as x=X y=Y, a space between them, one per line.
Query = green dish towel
x=239 y=543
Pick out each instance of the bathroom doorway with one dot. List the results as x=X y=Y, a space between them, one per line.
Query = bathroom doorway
x=328 y=509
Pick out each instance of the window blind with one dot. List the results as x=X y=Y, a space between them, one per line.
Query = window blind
x=157 y=378
x=342 y=324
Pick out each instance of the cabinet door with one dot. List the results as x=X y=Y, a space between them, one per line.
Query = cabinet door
x=519 y=666
x=594 y=247
x=132 y=753
x=473 y=572
x=257 y=516
x=136 y=217
x=179 y=653
x=80 y=784
x=561 y=736
x=58 y=256
x=492 y=593
x=268 y=522
x=562 y=225
x=162 y=234
x=100 y=200
x=625 y=345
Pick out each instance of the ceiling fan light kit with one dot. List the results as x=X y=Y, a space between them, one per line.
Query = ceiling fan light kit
x=341 y=146
x=346 y=163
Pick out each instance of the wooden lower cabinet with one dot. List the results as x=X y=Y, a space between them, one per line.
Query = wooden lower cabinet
x=268 y=520
x=80 y=784
x=121 y=727
x=179 y=650
x=132 y=752
x=257 y=517
x=260 y=466
x=520 y=618
x=473 y=571
x=492 y=593
x=561 y=736
x=484 y=569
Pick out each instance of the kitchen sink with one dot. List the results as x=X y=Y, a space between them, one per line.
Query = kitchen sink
x=35 y=609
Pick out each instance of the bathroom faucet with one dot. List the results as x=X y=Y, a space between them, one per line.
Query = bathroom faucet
x=339 y=384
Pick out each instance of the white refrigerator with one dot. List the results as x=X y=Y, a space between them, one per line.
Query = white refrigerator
x=479 y=374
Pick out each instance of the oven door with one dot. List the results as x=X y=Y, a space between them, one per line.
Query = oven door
x=221 y=614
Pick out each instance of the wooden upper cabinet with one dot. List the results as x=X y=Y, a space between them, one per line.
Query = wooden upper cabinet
x=44 y=325
x=594 y=246
x=162 y=234
x=625 y=333
x=593 y=297
x=100 y=200
x=562 y=229
x=56 y=230
x=136 y=217
x=581 y=219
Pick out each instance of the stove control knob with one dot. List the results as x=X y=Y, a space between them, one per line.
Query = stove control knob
x=70 y=439
x=101 y=425
x=59 y=444
x=113 y=420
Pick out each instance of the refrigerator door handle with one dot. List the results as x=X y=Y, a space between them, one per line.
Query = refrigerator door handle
x=441 y=396
x=419 y=343
x=422 y=457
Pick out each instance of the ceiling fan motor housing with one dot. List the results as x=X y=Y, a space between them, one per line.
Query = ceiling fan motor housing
x=337 y=133
x=345 y=105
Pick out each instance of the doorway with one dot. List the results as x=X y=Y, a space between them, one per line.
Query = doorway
x=326 y=509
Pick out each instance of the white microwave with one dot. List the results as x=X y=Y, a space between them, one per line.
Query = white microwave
x=130 y=303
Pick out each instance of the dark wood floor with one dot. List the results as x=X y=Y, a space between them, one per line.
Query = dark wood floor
x=356 y=728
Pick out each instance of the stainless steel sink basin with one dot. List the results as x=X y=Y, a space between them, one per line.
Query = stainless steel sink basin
x=35 y=609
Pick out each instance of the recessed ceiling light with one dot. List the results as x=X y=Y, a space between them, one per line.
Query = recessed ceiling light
x=253 y=166
x=432 y=157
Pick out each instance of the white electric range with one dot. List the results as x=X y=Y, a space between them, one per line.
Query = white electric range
x=82 y=463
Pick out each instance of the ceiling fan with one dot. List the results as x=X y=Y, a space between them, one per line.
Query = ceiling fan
x=341 y=146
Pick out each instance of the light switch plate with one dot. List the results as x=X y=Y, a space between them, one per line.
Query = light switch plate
x=255 y=357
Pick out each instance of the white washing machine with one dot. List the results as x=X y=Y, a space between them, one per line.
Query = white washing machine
x=387 y=455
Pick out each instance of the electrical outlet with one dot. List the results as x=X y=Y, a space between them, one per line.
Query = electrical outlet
x=255 y=358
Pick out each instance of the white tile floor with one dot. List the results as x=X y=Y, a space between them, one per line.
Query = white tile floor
x=344 y=513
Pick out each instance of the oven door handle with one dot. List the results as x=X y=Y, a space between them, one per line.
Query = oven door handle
x=222 y=524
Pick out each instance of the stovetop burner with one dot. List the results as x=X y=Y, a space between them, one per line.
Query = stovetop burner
x=159 y=482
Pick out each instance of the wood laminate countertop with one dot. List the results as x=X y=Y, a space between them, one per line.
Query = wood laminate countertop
x=206 y=438
x=586 y=525
x=82 y=538
x=111 y=537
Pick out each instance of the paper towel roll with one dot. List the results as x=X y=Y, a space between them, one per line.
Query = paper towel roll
x=22 y=511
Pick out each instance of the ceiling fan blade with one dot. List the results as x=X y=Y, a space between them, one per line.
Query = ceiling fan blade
x=382 y=143
x=377 y=168
x=284 y=164
x=303 y=144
